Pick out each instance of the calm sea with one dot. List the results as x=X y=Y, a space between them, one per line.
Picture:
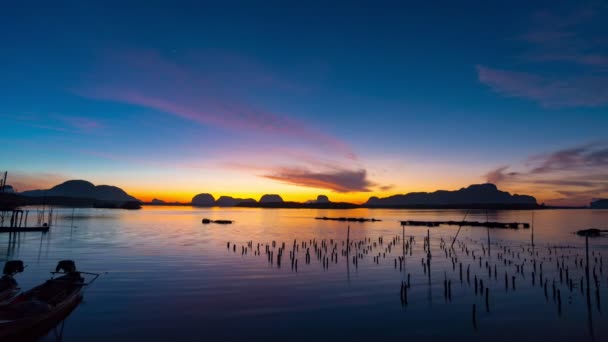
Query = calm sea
x=166 y=276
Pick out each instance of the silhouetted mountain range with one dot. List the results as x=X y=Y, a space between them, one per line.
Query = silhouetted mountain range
x=82 y=193
x=600 y=204
x=83 y=189
x=475 y=196
x=227 y=201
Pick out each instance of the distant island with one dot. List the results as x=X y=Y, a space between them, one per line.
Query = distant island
x=483 y=196
x=599 y=204
x=80 y=193
x=475 y=196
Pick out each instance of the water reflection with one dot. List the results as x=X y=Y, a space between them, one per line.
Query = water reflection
x=164 y=257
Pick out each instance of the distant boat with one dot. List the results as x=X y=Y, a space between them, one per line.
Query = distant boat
x=34 y=312
x=8 y=284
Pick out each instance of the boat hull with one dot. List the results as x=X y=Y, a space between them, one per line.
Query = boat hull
x=7 y=294
x=38 y=325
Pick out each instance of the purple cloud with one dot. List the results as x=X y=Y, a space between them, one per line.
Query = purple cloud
x=338 y=181
x=588 y=156
x=577 y=174
x=208 y=88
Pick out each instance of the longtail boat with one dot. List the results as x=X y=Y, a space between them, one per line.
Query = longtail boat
x=34 y=312
x=8 y=284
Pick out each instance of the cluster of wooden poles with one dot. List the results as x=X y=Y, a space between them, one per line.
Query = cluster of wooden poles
x=475 y=265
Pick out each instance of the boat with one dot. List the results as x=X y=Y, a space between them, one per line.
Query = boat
x=8 y=285
x=33 y=313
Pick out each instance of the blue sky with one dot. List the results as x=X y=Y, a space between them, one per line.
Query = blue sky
x=168 y=99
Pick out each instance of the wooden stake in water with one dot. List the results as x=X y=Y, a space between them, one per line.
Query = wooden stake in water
x=459 y=227
x=532 y=228
x=348 y=238
x=587 y=265
x=475 y=317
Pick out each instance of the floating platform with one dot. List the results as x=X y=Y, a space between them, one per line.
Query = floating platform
x=23 y=229
x=207 y=221
x=502 y=225
x=592 y=232
x=347 y=219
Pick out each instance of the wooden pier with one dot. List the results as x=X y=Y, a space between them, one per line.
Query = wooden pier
x=501 y=225
x=347 y=219
x=43 y=229
x=16 y=221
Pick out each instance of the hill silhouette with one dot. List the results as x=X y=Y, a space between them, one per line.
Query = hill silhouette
x=599 y=204
x=474 y=196
x=203 y=200
x=227 y=201
x=81 y=193
x=83 y=189
x=272 y=198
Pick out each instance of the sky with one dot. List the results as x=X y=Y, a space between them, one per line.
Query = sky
x=347 y=99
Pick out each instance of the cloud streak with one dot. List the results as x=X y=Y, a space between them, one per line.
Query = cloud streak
x=209 y=89
x=573 y=175
x=573 y=91
x=339 y=181
x=571 y=47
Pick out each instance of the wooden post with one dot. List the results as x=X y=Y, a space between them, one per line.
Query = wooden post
x=532 y=228
x=475 y=317
x=487 y=299
x=428 y=241
x=587 y=265
x=348 y=238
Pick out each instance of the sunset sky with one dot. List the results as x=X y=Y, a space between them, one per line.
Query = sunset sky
x=170 y=99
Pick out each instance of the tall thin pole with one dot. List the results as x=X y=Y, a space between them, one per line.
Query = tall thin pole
x=348 y=238
x=532 y=228
x=4 y=181
x=589 y=318
x=403 y=239
x=587 y=265
x=460 y=226
x=488 y=229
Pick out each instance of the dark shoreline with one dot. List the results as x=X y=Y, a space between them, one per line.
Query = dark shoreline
x=12 y=201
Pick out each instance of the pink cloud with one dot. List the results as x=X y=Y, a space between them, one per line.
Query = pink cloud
x=212 y=89
x=338 y=181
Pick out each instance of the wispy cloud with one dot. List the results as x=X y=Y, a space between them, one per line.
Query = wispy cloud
x=59 y=123
x=569 y=91
x=386 y=187
x=569 y=176
x=571 y=37
x=338 y=181
x=577 y=72
x=82 y=124
x=496 y=176
x=207 y=89
x=582 y=157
